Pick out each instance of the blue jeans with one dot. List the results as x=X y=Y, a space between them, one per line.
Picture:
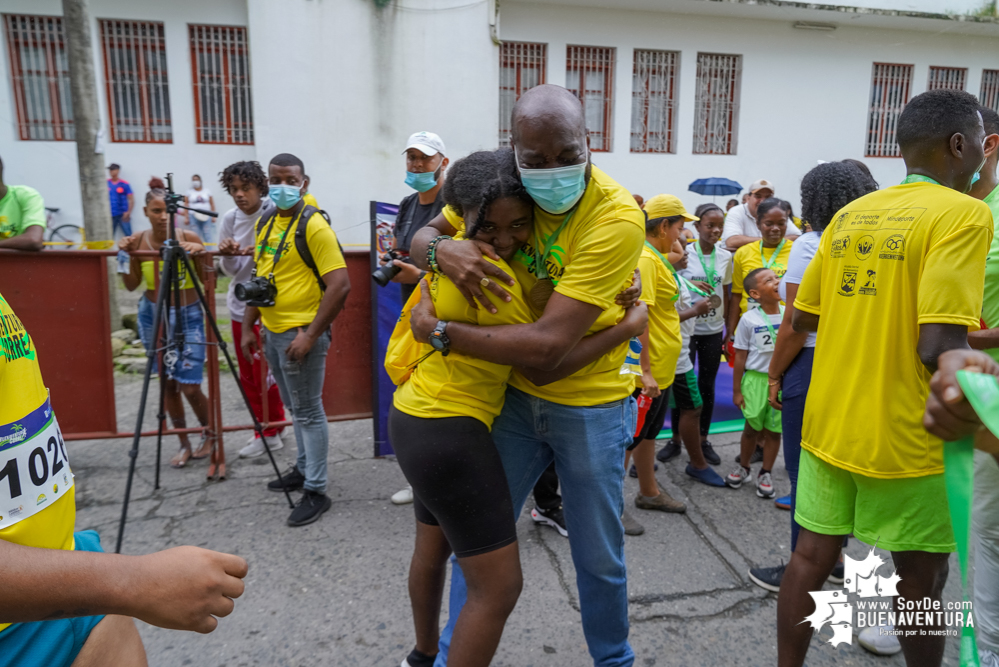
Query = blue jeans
x=587 y=445
x=187 y=365
x=116 y=222
x=794 y=391
x=206 y=228
x=301 y=387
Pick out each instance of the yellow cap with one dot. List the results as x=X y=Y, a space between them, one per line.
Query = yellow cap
x=666 y=206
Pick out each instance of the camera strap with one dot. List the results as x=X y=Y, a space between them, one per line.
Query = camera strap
x=282 y=244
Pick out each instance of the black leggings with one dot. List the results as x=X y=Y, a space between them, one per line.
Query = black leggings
x=705 y=352
x=458 y=480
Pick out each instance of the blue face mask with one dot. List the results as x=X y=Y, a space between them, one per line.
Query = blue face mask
x=285 y=196
x=555 y=190
x=977 y=177
x=421 y=182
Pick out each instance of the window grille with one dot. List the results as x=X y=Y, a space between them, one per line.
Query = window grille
x=40 y=75
x=220 y=59
x=135 y=70
x=716 y=107
x=522 y=66
x=653 y=101
x=589 y=75
x=990 y=89
x=947 y=78
x=890 y=88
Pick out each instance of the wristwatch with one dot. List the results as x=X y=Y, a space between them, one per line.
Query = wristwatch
x=439 y=340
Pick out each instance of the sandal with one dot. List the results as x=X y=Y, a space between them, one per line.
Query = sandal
x=175 y=463
x=207 y=441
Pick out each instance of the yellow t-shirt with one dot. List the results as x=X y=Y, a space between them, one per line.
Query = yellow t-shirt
x=594 y=258
x=458 y=385
x=298 y=289
x=890 y=261
x=22 y=399
x=310 y=200
x=747 y=259
x=665 y=341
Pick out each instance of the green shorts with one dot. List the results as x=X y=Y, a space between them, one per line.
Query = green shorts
x=758 y=413
x=904 y=514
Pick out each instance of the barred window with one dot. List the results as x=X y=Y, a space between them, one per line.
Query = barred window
x=589 y=75
x=135 y=70
x=716 y=107
x=947 y=78
x=990 y=89
x=39 y=72
x=522 y=66
x=221 y=60
x=890 y=88
x=653 y=101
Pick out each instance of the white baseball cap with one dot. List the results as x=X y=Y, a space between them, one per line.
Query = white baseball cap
x=427 y=143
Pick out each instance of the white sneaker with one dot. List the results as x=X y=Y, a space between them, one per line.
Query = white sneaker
x=765 y=486
x=737 y=477
x=403 y=497
x=256 y=446
x=877 y=640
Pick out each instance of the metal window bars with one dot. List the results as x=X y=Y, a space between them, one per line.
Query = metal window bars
x=220 y=63
x=135 y=70
x=990 y=89
x=653 y=101
x=522 y=66
x=589 y=75
x=716 y=106
x=947 y=78
x=40 y=75
x=891 y=85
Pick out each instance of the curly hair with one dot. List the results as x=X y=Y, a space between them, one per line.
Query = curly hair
x=829 y=187
x=157 y=189
x=248 y=171
x=478 y=179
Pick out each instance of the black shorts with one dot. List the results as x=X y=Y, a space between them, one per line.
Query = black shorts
x=457 y=478
x=655 y=418
x=684 y=393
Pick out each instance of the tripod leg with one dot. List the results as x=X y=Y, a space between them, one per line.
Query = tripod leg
x=161 y=300
x=235 y=373
x=161 y=416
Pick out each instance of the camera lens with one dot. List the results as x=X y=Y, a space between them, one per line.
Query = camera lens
x=384 y=274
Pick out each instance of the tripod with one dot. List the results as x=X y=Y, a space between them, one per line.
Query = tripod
x=174 y=256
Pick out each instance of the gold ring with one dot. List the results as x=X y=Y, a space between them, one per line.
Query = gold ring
x=484 y=282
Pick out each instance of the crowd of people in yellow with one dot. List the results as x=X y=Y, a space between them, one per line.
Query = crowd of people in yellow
x=556 y=321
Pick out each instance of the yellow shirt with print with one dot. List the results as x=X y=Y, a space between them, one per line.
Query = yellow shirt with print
x=459 y=385
x=665 y=341
x=22 y=392
x=593 y=259
x=298 y=294
x=747 y=259
x=890 y=261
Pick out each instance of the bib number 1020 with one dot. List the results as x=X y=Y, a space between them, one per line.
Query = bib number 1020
x=42 y=463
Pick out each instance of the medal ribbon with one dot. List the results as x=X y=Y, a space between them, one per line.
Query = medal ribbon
x=773 y=257
x=982 y=391
x=709 y=272
x=770 y=327
x=676 y=276
x=918 y=178
x=541 y=260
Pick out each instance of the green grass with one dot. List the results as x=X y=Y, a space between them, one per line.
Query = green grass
x=222 y=284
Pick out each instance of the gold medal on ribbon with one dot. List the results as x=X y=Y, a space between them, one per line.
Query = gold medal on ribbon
x=715 y=301
x=541 y=292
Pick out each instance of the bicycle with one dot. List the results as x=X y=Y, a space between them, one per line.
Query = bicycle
x=64 y=237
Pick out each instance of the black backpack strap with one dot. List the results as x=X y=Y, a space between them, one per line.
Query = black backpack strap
x=302 y=244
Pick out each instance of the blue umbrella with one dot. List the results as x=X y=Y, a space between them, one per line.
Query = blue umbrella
x=715 y=186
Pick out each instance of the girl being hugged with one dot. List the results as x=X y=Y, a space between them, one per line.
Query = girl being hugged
x=185 y=371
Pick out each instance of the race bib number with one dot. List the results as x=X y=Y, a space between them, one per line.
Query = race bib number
x=763 y=340
x=34 y=470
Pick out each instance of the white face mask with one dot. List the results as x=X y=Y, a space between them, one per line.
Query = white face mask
x=196 y=184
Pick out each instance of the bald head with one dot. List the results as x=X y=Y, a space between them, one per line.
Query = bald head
x=549 y=128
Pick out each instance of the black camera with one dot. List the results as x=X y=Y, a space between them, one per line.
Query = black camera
x=257 y=291
x=385 y=273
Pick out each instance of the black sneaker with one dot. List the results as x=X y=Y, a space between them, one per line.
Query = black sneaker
x=633 y=471
x=309 y=508
x=710 y=455
x=552 y=517
x=670 y=451
x=417 y=659
x=837 y=574
x=292 y=479
x=755 y=457
x=768 y=577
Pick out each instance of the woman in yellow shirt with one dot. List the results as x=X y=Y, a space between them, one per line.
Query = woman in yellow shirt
x=440 y=425
x=770 y=252
x=186 y=370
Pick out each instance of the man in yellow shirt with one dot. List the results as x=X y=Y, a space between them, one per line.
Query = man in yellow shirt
x=589 y=234
x=56 y=589
x=296 y=323
x=896 y=281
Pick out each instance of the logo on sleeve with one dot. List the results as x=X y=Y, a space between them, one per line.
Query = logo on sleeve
x=869 y=288
x=864 y=247
x=848 y=285
x=839 y=246
x=893 y=248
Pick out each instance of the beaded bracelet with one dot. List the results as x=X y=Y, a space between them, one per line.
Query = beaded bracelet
x=432 y=253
